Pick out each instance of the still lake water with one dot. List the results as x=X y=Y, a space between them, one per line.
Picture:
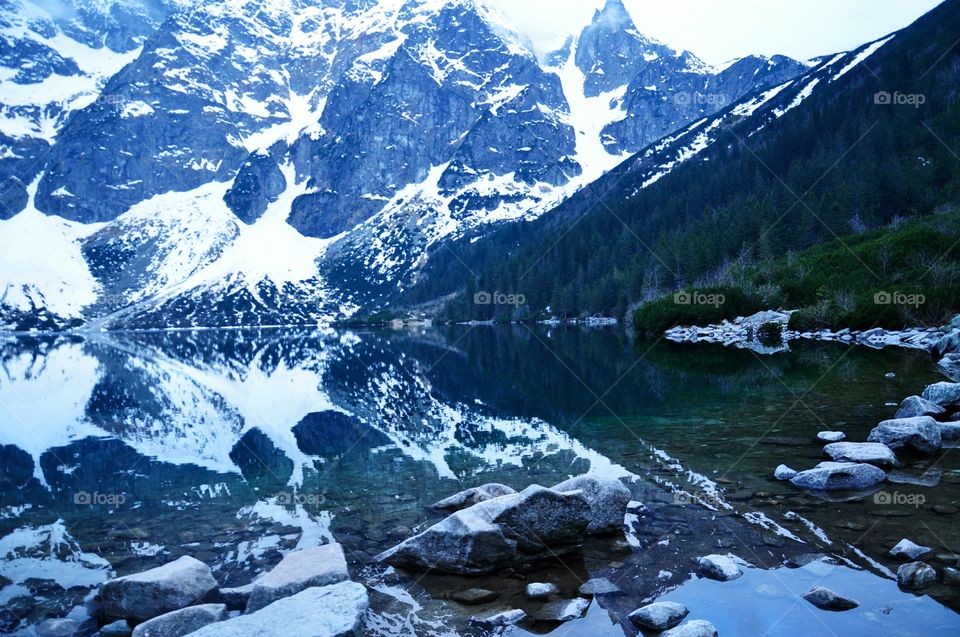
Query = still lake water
x=121 y=452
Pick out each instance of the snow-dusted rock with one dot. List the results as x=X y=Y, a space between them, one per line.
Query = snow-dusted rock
x=523 y=527
x=783 y=472
x=827 y=599
x=909 y=550
x=499 y=620
x=336 y=610
x=598 y=586
x=608 y=499
x=946 y=395
x=720 y=567
x=563 y=610
x=119 y=628
x=916 y=575
x=913 y=406
x=830 y=476
x=693 y=628
x=831 y=436
x=469 y=497
x=659 y=616
x=541 y=590
x=142 y=596
x=869 y=452
x=299 y=570
x=181 y=622
x=920 y=434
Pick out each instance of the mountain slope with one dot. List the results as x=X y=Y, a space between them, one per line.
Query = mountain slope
x=865 y=137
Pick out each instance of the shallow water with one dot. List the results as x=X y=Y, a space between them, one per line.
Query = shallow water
x=134 y=449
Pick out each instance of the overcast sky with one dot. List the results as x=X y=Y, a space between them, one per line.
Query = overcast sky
x=719 y=30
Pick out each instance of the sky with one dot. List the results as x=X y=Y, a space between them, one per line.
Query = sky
x=720 y=30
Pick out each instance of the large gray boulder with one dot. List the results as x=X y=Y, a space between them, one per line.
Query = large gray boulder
x=182 y=622
x=608 y=500
x=831 y=476
x=659 y=616
x=694 y=628
x=475 y=495
x=336 y=610
x=720 y=567
x=947 y=395
x=869 y=452
x=920 y=434
x=913 y=406
x=297 y=571
x=142 y=596
x=523 y=527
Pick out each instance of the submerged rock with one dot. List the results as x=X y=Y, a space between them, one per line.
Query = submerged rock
x=474 y=596
x=946 y=395
x=598 y=586
x=916 y=575
x=694 y=628
x=523 y=527
x=659 y=616
x=783 y=472
x=719 y=567
x=563 y=610
x=182 y=622
x=58 y=627
x=336 y=610
x=827 y=599
x=608 y=499
x=913 y=406
x=160 y=590
x=920 y=434
x=909 y=550
x=869 y=452
x=831 y=476
x=831 y=436
x=475 y=495
x=541 y=590
x=299 y=570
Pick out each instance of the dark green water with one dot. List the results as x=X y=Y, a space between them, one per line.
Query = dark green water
x=123 y=452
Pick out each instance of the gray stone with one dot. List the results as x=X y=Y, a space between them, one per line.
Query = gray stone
x=563 y=610
x=827 y=599
x=499 y=620
x=599 y=586
x=297 y=571
x=474 y=596
x=182 y=622
x=522 y=527
x=541 y=590
x=119 y=628
x=831 y=436
x=869 y=452
x=950 y=431
x=913 y=406
x=142 y=596
x=475 y=495
x=719 y=567
x=908 y=550
x=783 y=472
x=946 y=395
x=831 y=476
x=694 y=628
x=951 y=576
x=608 y=499
x=658 y=616
x=916 y=575
x=920 y=434
x=336 y=610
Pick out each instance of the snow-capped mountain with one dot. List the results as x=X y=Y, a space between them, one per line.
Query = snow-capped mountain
x=176 y=163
